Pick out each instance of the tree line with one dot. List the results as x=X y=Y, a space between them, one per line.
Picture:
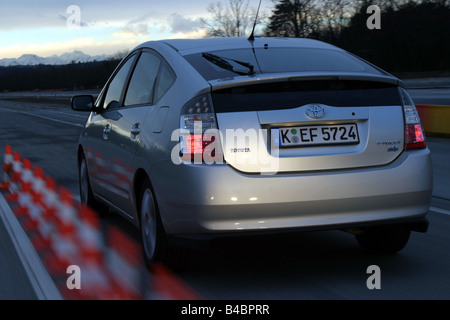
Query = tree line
x=75 y=76
x=414 y=35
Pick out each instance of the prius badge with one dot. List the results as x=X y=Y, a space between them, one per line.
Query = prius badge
x=315 y=111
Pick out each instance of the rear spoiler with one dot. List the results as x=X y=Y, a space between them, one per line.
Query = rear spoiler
x=237 y=81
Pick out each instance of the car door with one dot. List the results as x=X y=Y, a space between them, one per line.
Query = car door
x=126 y=128
x=98 y=132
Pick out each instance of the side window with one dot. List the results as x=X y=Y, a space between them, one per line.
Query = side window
x=165 y=81
x=140 y=90
x=116 y=86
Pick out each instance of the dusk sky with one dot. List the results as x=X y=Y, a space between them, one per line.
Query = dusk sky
x=48 y=27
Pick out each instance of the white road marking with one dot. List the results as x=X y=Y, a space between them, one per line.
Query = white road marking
x=41 y=281
x=72 y=115
x=439 y=210
x=47 y=118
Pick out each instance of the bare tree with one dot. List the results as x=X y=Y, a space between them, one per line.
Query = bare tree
x=118 y=55
x=385 y=4
x=294 y=18
x=335 y=15
x=232 y=20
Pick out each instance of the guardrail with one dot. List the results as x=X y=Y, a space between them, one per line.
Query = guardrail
x=435 y=119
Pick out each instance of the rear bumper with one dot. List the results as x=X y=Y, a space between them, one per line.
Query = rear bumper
x=195 y=240
x=210 y=201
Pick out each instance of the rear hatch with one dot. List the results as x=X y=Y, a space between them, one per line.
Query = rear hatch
x=297 y=105
x=288 y=124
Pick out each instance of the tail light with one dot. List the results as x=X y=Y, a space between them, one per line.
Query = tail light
x=414 y=134
x=200 y=141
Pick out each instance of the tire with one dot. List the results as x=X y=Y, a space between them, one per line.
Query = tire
x=153 y=238
x=86 y=195
x=386 y=239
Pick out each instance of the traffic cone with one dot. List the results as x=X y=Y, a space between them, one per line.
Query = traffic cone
x=24 y=197
x=14 y=184
x=24 y=202
x=27 y=173
x=166 y=286
x=124 y=266
x=49 y=199
x=66 y=213
x=46 y=198
x=35 y=219
x=64 y=239
x=7 y=167
x=89 y=234
x=95 y=282
x=38 y=186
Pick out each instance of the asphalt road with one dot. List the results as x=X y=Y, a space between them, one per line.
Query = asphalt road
x=314 y=265
x=429 y=91
x=438 y=96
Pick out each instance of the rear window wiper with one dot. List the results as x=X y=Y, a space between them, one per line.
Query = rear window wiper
x=222 y=62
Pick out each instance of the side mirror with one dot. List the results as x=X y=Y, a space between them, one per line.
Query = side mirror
x=82 y=103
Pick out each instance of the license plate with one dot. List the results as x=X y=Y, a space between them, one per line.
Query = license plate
x=318 y=135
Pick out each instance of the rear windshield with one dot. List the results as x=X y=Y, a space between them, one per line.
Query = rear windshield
x=292 y=94
x=230 y=63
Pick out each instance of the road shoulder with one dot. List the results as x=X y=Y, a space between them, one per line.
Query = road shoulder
x=24 y=269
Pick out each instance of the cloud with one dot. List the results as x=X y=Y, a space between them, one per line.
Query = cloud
x=138 y=30
x=140 y=19
x=173 y=24
x=180 y=24
x=42 y=27
x=66 y=21
x=136 y=27
x=200 y=33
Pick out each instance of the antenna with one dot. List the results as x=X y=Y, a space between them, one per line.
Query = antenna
x=252 y=35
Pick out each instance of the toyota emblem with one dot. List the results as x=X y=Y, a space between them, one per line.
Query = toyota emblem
x=315 y=111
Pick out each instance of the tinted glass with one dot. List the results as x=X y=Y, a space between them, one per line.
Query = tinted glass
x=294 y=59
x=116 y=86
x=293 y=94
x=230 y=63
x=140 y=90
x=211 y=71
x=165 y=81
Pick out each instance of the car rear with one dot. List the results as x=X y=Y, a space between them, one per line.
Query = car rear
x=306 y=137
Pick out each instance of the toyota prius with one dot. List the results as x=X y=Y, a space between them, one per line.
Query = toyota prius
x=195 y=139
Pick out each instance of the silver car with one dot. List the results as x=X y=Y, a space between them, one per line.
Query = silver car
x=204 y=138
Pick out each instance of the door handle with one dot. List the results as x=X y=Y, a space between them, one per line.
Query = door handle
x=135 y=130
x=106 y=131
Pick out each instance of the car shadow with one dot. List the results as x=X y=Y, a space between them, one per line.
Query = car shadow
x=310 y=265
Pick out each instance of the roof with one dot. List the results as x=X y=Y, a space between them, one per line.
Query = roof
x=188 y=46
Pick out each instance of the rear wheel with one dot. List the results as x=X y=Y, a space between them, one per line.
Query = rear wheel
x=384 y=239
x=154 y=243
x=86 y=195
